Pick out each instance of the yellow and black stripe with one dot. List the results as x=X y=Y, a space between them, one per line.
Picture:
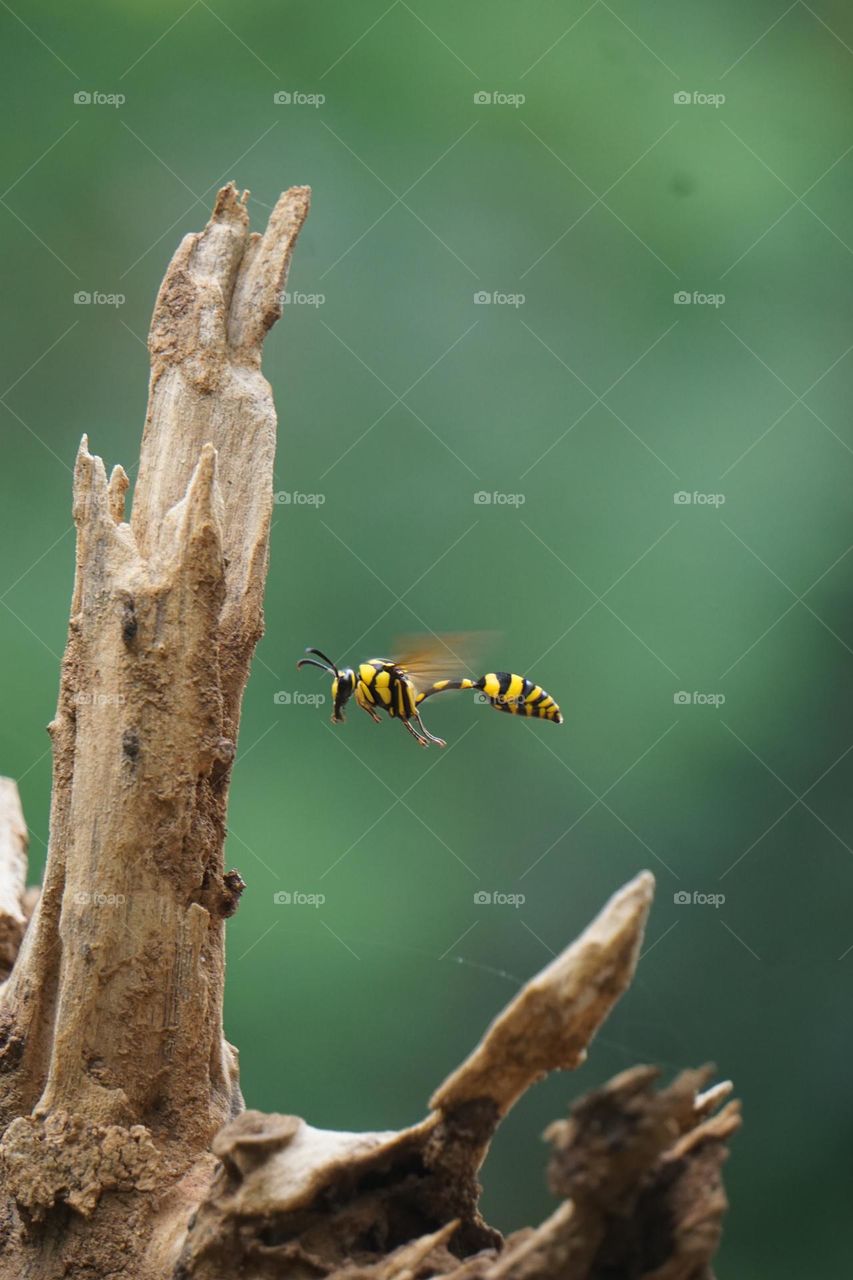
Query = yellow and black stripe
x=441 y=685
x=381 y=683
x=517 y=695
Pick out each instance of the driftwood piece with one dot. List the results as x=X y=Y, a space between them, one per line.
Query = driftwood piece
x=125 y=1150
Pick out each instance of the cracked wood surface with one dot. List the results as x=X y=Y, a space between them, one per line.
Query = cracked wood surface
x=112 y=1016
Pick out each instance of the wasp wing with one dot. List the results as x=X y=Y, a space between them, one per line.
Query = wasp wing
x=441 y=656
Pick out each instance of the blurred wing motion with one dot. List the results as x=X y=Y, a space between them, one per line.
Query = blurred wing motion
x=426 y=658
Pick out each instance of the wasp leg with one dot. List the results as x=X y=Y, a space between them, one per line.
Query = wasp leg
x=365 y=704
x=439 y=742
x=417 y=737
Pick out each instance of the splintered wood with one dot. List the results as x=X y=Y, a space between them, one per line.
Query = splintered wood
x=638 y=1170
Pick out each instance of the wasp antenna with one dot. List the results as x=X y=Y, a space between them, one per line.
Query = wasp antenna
x=309 y=662
x=320 y=654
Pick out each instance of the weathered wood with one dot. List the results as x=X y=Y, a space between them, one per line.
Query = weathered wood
x=638 y=1171
x=115 y=1073
x=13 y=874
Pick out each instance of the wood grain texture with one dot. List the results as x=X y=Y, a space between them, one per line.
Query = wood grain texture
x=114 y=1074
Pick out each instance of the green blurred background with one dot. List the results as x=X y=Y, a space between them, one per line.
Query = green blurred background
x=596 y=398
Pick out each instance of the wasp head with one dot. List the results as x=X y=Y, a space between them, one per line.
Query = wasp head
x=343 y=684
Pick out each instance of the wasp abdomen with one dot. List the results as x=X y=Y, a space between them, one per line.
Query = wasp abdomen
x=519 y=696
x=506 y=692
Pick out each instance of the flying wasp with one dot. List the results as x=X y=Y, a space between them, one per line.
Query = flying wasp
x=399 y=686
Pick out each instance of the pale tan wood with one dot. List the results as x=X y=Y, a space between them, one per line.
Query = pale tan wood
x=115 y=1073
x=13 y=873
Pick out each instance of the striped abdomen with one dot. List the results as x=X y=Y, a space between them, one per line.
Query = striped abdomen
x=506 y=692
x=519 y=696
